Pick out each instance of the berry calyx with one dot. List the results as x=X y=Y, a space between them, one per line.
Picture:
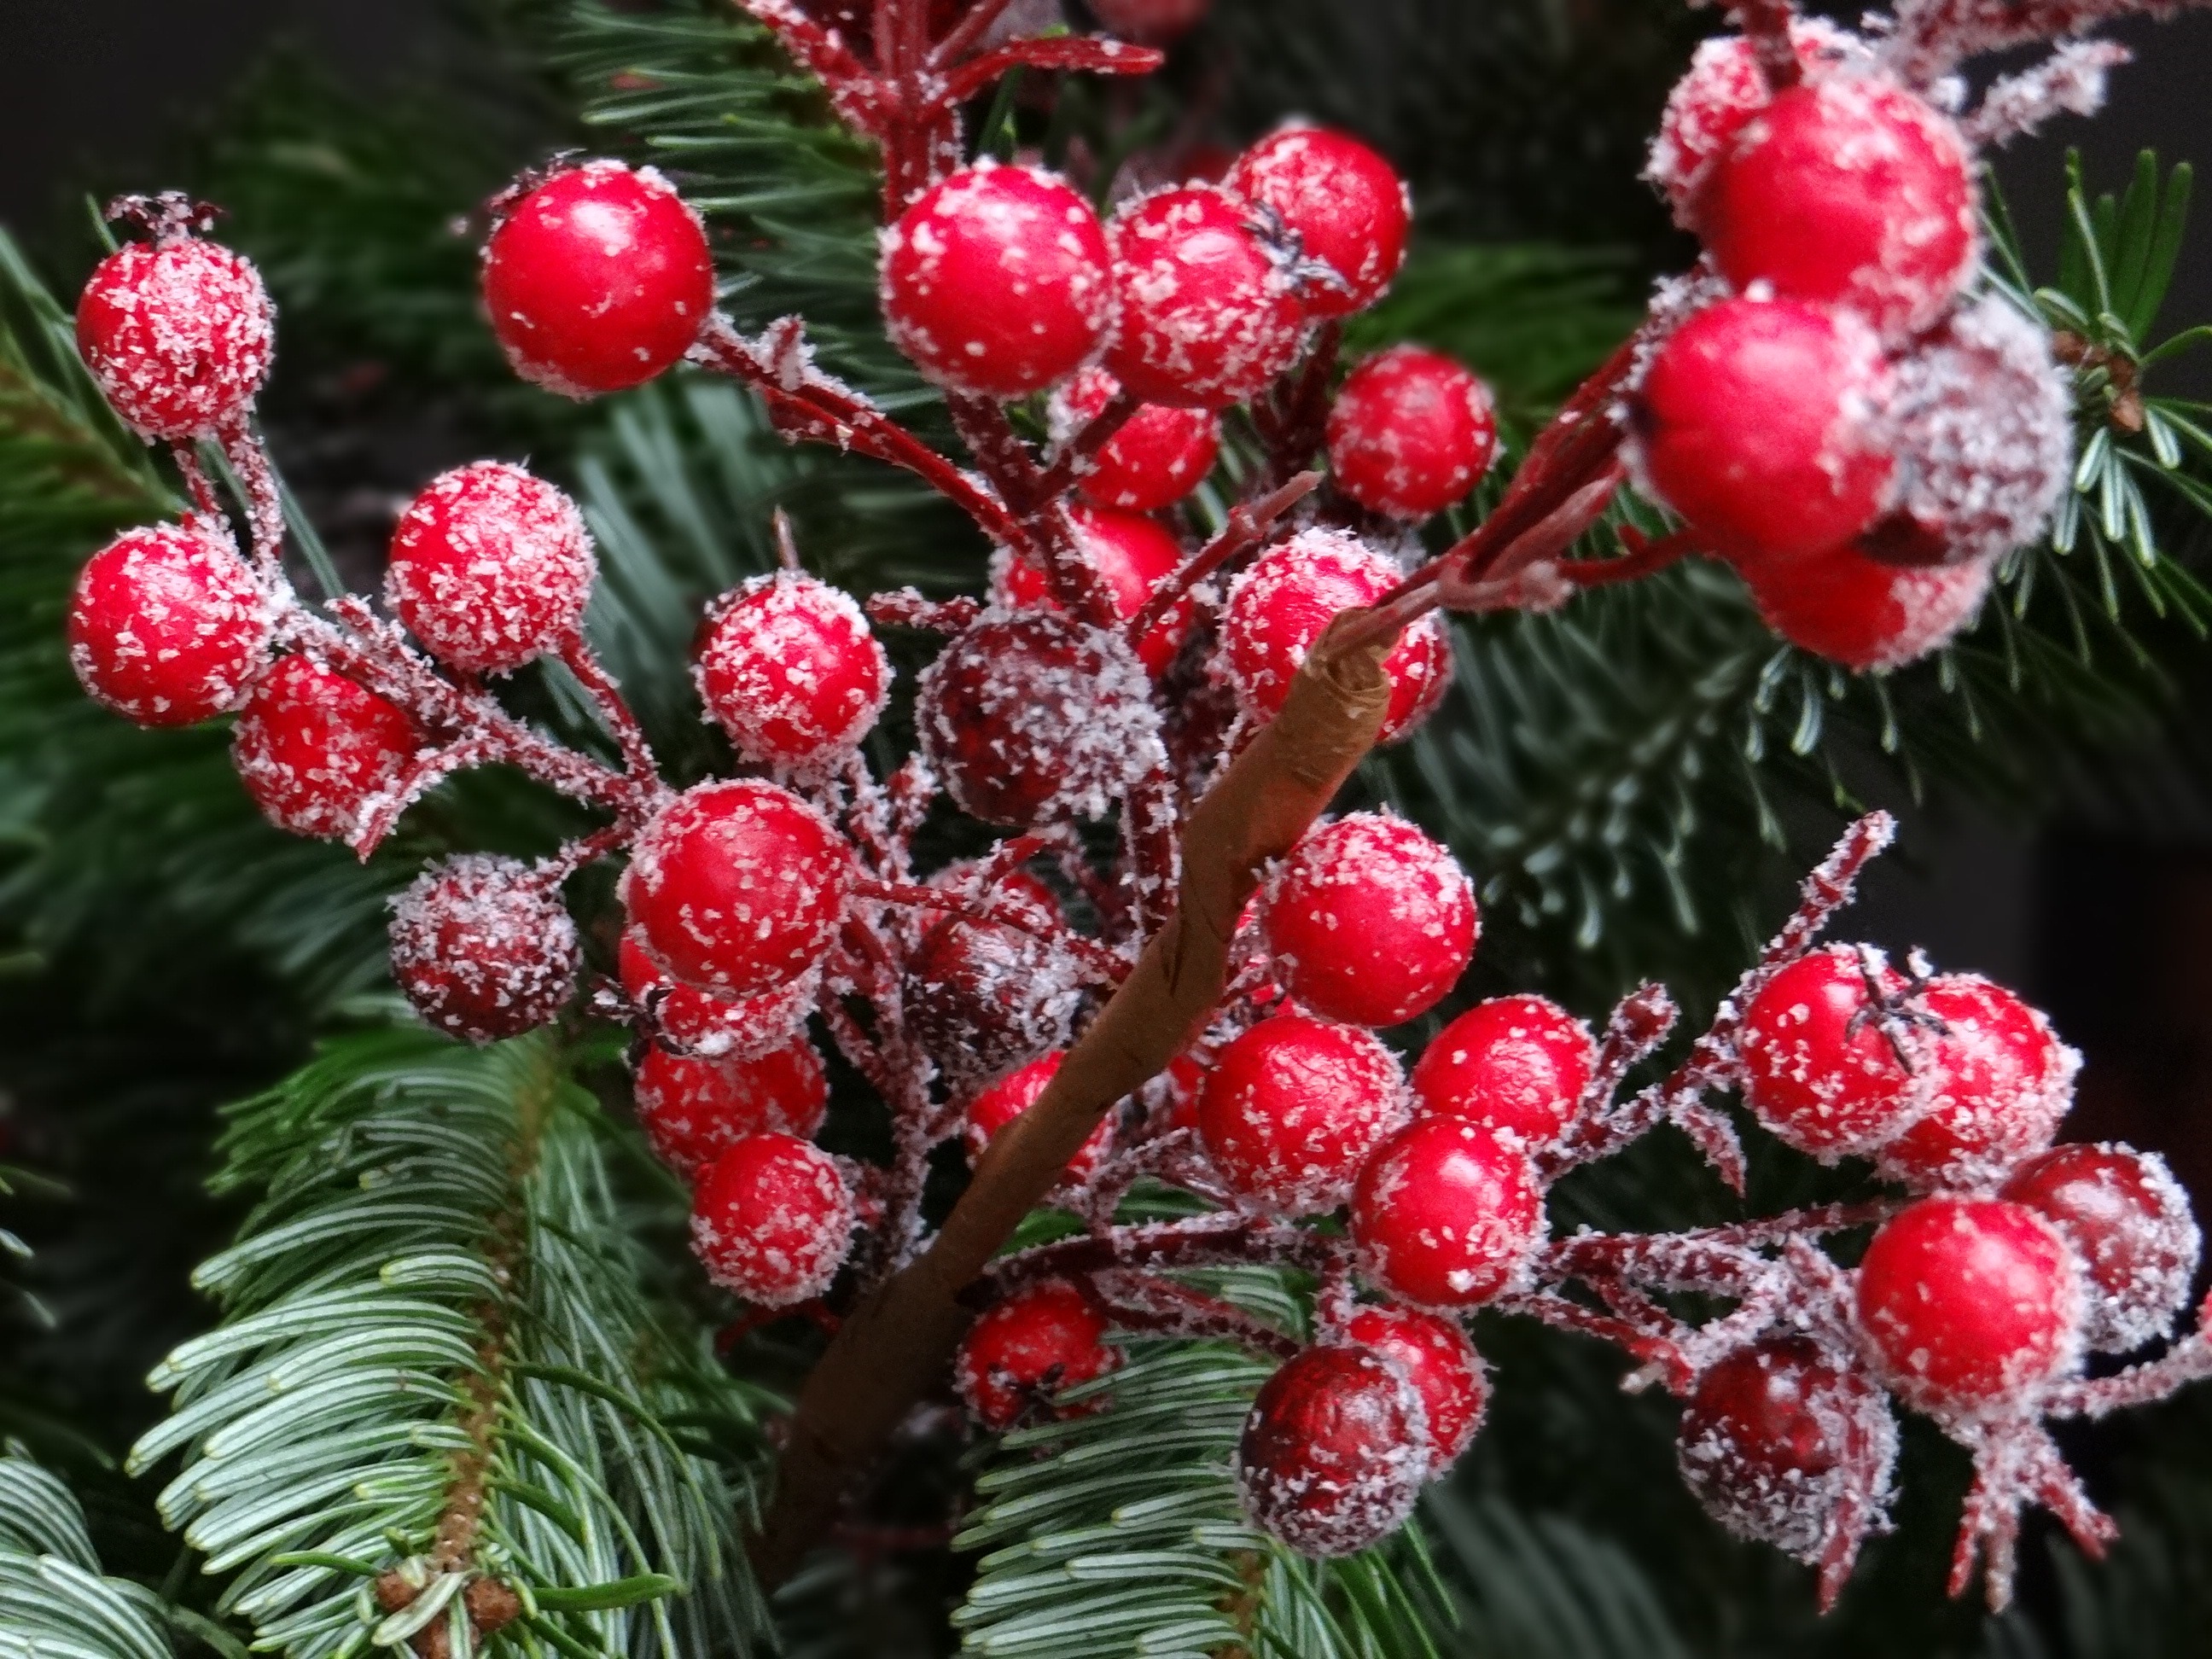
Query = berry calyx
x=167 y=626
x=1864 y=613
x=314 y=748
x=597 y=279
x=1210 y=315
x=1434 y=1355
x=1292 y=1107
x=996 y=282
x=1333 y=1453
x=1347 y=205
x=1446 y=1213
x=1517 y=1064
x=2130 y=1224
x=1368 y=920
x=1134 y=554
x=1723 y=89
x=1969 y=1302
x=1021 y=1351
x=709 y=1025
x=772 y=1219
x=693 y=1110
x=1005 y=1100
x=178 y=332
x=483 y=947
x=1820 y=1067
x=491 y=568
x=1156 y=457
x=790 y=669
x=1996 y=1081
x=1410 y=433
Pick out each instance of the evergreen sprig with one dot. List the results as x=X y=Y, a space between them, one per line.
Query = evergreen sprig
x=55 y=1603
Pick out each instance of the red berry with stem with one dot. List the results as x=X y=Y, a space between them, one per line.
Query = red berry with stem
x=315 y=749
x=1370 y=921
x=739 y=886
x=1293 y=1107
x=1996 y=1081
x=1280 y=606
x=1446 y=1212
x=1134 y=554
x=483 y=947
x=1518 y=1064
x=2130 y=1224
x=790 y=669
x=1333 y=1452
x=1434 y=1355
x=1155 y=459
x=597 y=279
x=1151 y=21
x=996 y=282
x=1347 y=205
x=1819 y=1055
x=1210 y=312
x=1969 y=1302
x=694 y=1110
x=1757 y=420
x=1862 y=613
x=1410 y=433
x=772 y=1219
x=178 y=332
x=491 y=568
x=168 y=627
x=710 y=1024
x=1021 y=1351
x=990 y=1112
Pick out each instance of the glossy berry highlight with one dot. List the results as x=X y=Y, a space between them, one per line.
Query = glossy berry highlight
x=1291 y=1109
x=1333 y=1452
x=1446 y=1213
x=1516 y=1064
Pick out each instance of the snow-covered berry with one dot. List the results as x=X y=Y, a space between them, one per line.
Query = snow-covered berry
x=990 y=1112
x=1135 y=554
x=1210 y=312
x=1819 y=1059
x=1368 y=920
x=167 y=626
x=483 y=947
x=1292 y=1107
x=1155 y=459
x=1410 y=433
x=1345 y=205
x=1995 y=1082
x=790 y=669
x=996 y=282
x=1446 y=1212
x=1152 y=22
x=693 y=1109
x=178 y=332
x=1021 y=1351
x=1862 y=612
x=2130 y=1224
x=1518 y=1064
x=1333 y=1452
x=983 y=998
x=491 y=568
x=314 y=748
x=713 y=1025
x=597 y=279
x=1434 y=1355
x=772 y=1219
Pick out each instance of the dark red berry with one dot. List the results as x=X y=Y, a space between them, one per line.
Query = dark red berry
x=1434 y=1355
x=1292 y=1107
x=1134 y=554
x=167 y=626
x=1347 y=205
x=1997 y=1082
x=1820 y=1070
x=990 y=1112
x=1155 y=459
x=772 y=1219
x=1333 y=1453
x=179 y=334
x=1153 y=21
x=1410 y=433
x=984 y=999
x=1210 y=315
x=1518 y=1064
x=483 y=947
x=1022 y=1351
x=315 y=749
x=2130 y=1224
x=1863 y=613
x=791 y=670
x=694 y=1110
x=1446 y=1213
x=712 y=1024
x=491 y=568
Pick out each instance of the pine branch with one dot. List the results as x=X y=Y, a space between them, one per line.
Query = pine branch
x=54 y=1602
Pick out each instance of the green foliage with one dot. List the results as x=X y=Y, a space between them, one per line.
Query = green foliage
x=1542 y=1587
x=54 y=1602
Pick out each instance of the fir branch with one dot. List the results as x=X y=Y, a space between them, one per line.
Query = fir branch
x=54 y=1602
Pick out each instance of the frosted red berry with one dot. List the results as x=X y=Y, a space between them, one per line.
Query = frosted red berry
x=597 y=279
x=1022 y=1351
x=1134 y=554
x=1369 y=921
x=2129 y=1222
x=1969 y=1302
x=1333 y=1452
x=1446 y=1213
x=313 y=748
x=996 y=282
x=694 y=1110
x=1863 y=613
x=772 y=1219
x=1210 y=313
x=1518 y=1064
x=1434 y=1355
x=1995 y=1081
x=713 y=1025
x=1758 y=421
x=1280 y=606
x=178 y=332
x=1820 y=1069
x=788 y=666
x=739 y=886
x=1347 y=205
x=1152 y=22
x=1155 y=459
x=990 y=1112
x=1293 y=1107
x=982 y=999
x=483 y=947
x=1410 y=433
x=167 y=626
x=491 y=568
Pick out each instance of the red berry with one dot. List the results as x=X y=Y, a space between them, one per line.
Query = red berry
x=1819 y=1071
x=738 y=885
x=483 y=947
x=1150 y=20
x=1446 y=1212
x=771 y=1219
x=1410 y=433
x=1155 y=459
x=1033 y=718
x=1436 y=1358
x=1863 y=613
x=1278 y=607
x=1970 y=1301
x=167 y=626
x=694 y=1110
x=1369 y=921
x=1518 y=1064
x=982 y=999
x=1135 y=554
x=1293 y=1108
x=708 y=1025
x=491 y=568
x=789 y=667
x=1347 y=206
x=597 y=279
x=1333 y=1453
x=1210 y=312
x=996 y=282
x=1007 y=1099
x=1846 y=191
x=1027 y=1348
x=1998 y=1082
x=2128 y=1221
x=1772 y=1437
x=179 y=334
x=314 y=748
x=1757 y=421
